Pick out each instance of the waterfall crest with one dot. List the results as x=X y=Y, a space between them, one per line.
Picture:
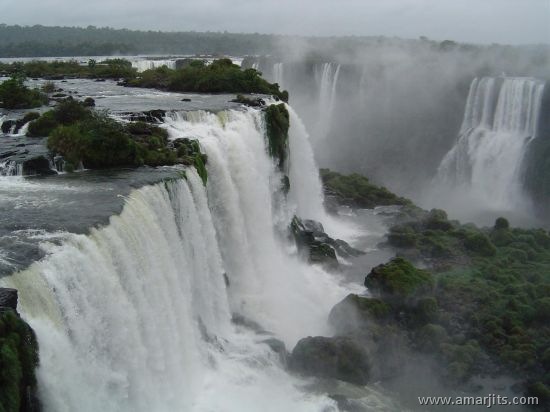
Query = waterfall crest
x=136 y=316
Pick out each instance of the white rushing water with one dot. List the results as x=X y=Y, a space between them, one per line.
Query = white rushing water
x=326 y=77
x=500 y=119
x=136 y=315
x=142 y=65
x=278 y=74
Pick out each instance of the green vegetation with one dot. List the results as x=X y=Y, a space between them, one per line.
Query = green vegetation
x=108 y=69
x=481 y=305
x=492 y=293
x=222 y=76
x=277 y=120
x=15 y=95
x=18 y=361
x=80 y=134
x=357 y=191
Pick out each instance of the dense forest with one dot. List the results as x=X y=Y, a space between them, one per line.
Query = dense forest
x=36 y=41
x=41 y=41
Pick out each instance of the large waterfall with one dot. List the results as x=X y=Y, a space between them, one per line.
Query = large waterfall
x=136 y=316
x=500 y=119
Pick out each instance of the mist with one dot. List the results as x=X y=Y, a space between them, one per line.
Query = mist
x=392 y=108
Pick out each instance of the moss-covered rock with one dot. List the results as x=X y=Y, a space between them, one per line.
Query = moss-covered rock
x=277 y=121
x=399 y=280
x=358 y=313
x=18 y=361
x=357 y=191
x=312 y=242
x=338 y=358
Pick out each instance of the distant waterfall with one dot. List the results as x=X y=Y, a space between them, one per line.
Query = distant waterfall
x=326 y=77
x=278 y=74
x=142 y=65
x=136 y=315
x=500 y=119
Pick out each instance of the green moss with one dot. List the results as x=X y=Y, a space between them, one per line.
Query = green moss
x=356 y=190
x=18 y=361
x=376 y=308
x=277 y=120
x=399 y=279
x=201 y=168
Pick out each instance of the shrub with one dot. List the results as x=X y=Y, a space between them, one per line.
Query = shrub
x=42 y=126
x=15 y=95
x=501 y=223
x=479 y=243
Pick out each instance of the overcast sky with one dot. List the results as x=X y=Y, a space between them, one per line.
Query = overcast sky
x=479 y=21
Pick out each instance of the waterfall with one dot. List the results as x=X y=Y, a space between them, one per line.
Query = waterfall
x=278 y=74
x=11 y=168
x=306 y=190
x=500 y=119
x=136 y=315
x=327 y=78
x=142 y=65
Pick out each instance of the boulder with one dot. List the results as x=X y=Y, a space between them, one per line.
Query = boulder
x=336 y=357
x=89 y=102
x=398 y=281
x=37 y=166
x=151 y=116
x=312 y=240
x=7 y=126
x=358 y=313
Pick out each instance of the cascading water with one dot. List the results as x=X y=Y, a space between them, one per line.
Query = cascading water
x=326 y=77
x=500 y=120
x=278 y=74
x=142 y=65
x=11 y=168
x=136 y=315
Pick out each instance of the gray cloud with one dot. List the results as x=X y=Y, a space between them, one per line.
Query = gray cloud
x=479 y=21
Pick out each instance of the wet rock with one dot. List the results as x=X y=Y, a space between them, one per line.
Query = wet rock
x=186 y=100
x=312 y=240
x=89 y=102
x=279 y=348
x=151 y=116
x=241 y=320
x=37 y=166
x=8 y=298
x=358 y=312
x=251 y=102
x=337 y=357
x=7 y=126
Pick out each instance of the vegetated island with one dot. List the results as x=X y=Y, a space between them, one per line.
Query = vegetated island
x=192 y=76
